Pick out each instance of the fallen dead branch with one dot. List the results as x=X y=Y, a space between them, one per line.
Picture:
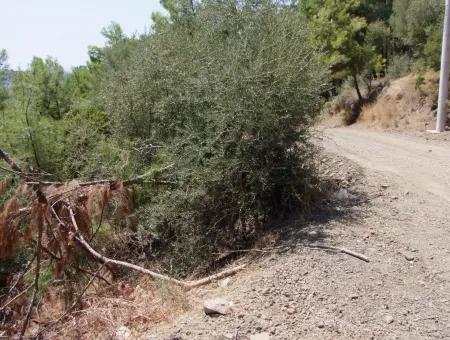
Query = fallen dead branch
x=105 y=260
x=254 y=250
x=316 y=246
x=212 y=278
x=339 y=250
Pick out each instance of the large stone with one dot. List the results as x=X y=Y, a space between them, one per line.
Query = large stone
x=343 y=195
x=217 y=306
x=409 y=256
x=313 y=235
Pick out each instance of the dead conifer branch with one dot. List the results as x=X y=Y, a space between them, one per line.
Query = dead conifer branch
x=61 y=214
x=36 y=279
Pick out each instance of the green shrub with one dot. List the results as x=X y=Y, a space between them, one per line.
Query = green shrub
x=228 y=97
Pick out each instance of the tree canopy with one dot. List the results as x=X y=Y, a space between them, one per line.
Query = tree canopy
x=338 y=27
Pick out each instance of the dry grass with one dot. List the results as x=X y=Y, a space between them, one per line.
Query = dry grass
x=135 y=305
x=383 y=114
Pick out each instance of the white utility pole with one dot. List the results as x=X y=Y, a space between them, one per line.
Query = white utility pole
x=441 y=119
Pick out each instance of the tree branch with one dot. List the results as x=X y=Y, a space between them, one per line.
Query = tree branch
x=103 y=259
x=10 y=161
x=185 y=284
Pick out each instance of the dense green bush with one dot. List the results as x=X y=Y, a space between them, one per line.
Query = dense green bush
x=227 y=96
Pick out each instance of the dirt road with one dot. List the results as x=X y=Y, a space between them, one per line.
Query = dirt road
x=395 y=209
x=416 y=163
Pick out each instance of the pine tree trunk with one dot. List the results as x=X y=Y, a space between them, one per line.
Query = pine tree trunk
x=355 y=82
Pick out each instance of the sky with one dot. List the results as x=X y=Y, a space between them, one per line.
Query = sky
x=63 y=29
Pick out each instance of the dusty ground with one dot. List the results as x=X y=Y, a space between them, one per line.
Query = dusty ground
x=395 y=211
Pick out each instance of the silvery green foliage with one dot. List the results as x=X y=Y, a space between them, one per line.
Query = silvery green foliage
x=228 y=94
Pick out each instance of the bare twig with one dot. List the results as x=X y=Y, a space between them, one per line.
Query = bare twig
x=141 y=178
x=340 y=250
x=256 y=250
x=10 y=171
x=30 y=133
x=212 y=278
x=52 y=255
x=426 y=318
x=99 y=223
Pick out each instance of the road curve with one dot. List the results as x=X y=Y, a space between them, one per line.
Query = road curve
x=422 y=165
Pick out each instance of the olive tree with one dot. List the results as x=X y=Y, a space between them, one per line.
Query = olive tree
x=226 y=99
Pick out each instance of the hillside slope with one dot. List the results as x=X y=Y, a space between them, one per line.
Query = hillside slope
x=406 y=103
